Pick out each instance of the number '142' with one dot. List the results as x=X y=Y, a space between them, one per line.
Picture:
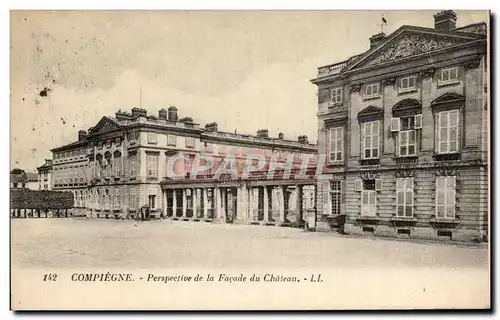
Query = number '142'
x=50 y=277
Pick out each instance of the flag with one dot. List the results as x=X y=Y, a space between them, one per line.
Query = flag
x=383 y=20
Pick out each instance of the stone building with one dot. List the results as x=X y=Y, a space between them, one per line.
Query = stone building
x=120 y=166
x=45 y=175
x=404 y=126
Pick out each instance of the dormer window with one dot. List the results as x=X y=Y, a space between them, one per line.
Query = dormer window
x=407 y=84
x=336 y=95
x=448 y=76
x=372 y=90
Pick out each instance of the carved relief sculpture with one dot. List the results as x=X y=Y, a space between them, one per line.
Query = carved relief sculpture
x=410 y=45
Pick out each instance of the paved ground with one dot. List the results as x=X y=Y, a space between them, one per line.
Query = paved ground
x=81 y=243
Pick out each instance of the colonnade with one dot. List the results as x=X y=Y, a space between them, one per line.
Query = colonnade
x=267 y=204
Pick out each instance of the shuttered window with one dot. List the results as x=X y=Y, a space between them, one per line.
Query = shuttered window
x=445 y=197
x=447 y=131
x=404 y=197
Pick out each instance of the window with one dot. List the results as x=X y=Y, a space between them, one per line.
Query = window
x=171 y=140
x=152 y=201
x=209 y=147
x=404 y=195
x=152 y=137
x=336 y=196
x=407 y=137
x=152 y=165
x=132 y=199
x=336 y=143
x=447 y=134
x=118 y=166
x=336 y=95
x=189 y=142
x=372 y=90
x=408 y=83
x=116 y=199
x=368 y=198
x=132 y=137
x=445 y=197
x=448 y=76
x=370 y=139
x=133 y=165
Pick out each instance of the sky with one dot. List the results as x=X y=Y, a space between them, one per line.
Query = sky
x=245 y=70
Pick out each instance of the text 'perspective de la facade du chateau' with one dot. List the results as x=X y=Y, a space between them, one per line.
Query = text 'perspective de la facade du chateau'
x=402 y=150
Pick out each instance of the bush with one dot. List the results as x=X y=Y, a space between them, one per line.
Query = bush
x=41 y=199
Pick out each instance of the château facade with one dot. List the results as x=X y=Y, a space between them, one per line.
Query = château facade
x=404 y=126
x=120 y=165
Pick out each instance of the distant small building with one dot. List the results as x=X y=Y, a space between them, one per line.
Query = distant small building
x=32 y=178
x=18 y=179
x=44 y=178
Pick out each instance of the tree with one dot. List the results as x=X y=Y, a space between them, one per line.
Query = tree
x=17 y=171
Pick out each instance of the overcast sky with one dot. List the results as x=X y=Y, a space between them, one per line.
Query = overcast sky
x=245 y=70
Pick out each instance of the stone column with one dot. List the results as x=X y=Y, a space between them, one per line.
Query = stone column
x=223 y=205
x=253 y=198
x=240 y=212
x=217 y=206
x=194 y=199
x=286 y=203
x=281 y=206
x=266 y=205
x=165 y=204
x=205 y=203
x=184 y=203
x=174 y=203
x=274 y=198
x=298 y=207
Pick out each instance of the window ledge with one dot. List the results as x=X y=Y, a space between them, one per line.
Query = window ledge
x=406 y=159
x=375 y=161
x=371 y=98
x=368 y=219
x=403 y=221
x=444 y=223
x=405 y=91
x=448 y=83
x=446 y=156
x=336 y=163
x=334 y=104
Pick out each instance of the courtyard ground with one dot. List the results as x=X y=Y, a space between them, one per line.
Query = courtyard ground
x=73 y=243
x=356 y=272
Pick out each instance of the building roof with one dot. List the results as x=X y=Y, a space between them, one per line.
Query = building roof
x=70 y=145
x=32 y=176
x=472 y=32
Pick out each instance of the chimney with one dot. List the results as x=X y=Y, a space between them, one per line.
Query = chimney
x=186 y=120
x=376 y=39
x=122 y=115
x=82 y=134
x=172 y=114
x=163 y=114
x=280 y=136
x=303 y=140
x=138 y=112
x=212 y=126
x=445 y=20
x=262 y=133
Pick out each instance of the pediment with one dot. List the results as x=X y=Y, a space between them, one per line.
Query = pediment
x=409 y=42
x=407 y=104
x=105 y=125
x=370 y=112
x=448 y=97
